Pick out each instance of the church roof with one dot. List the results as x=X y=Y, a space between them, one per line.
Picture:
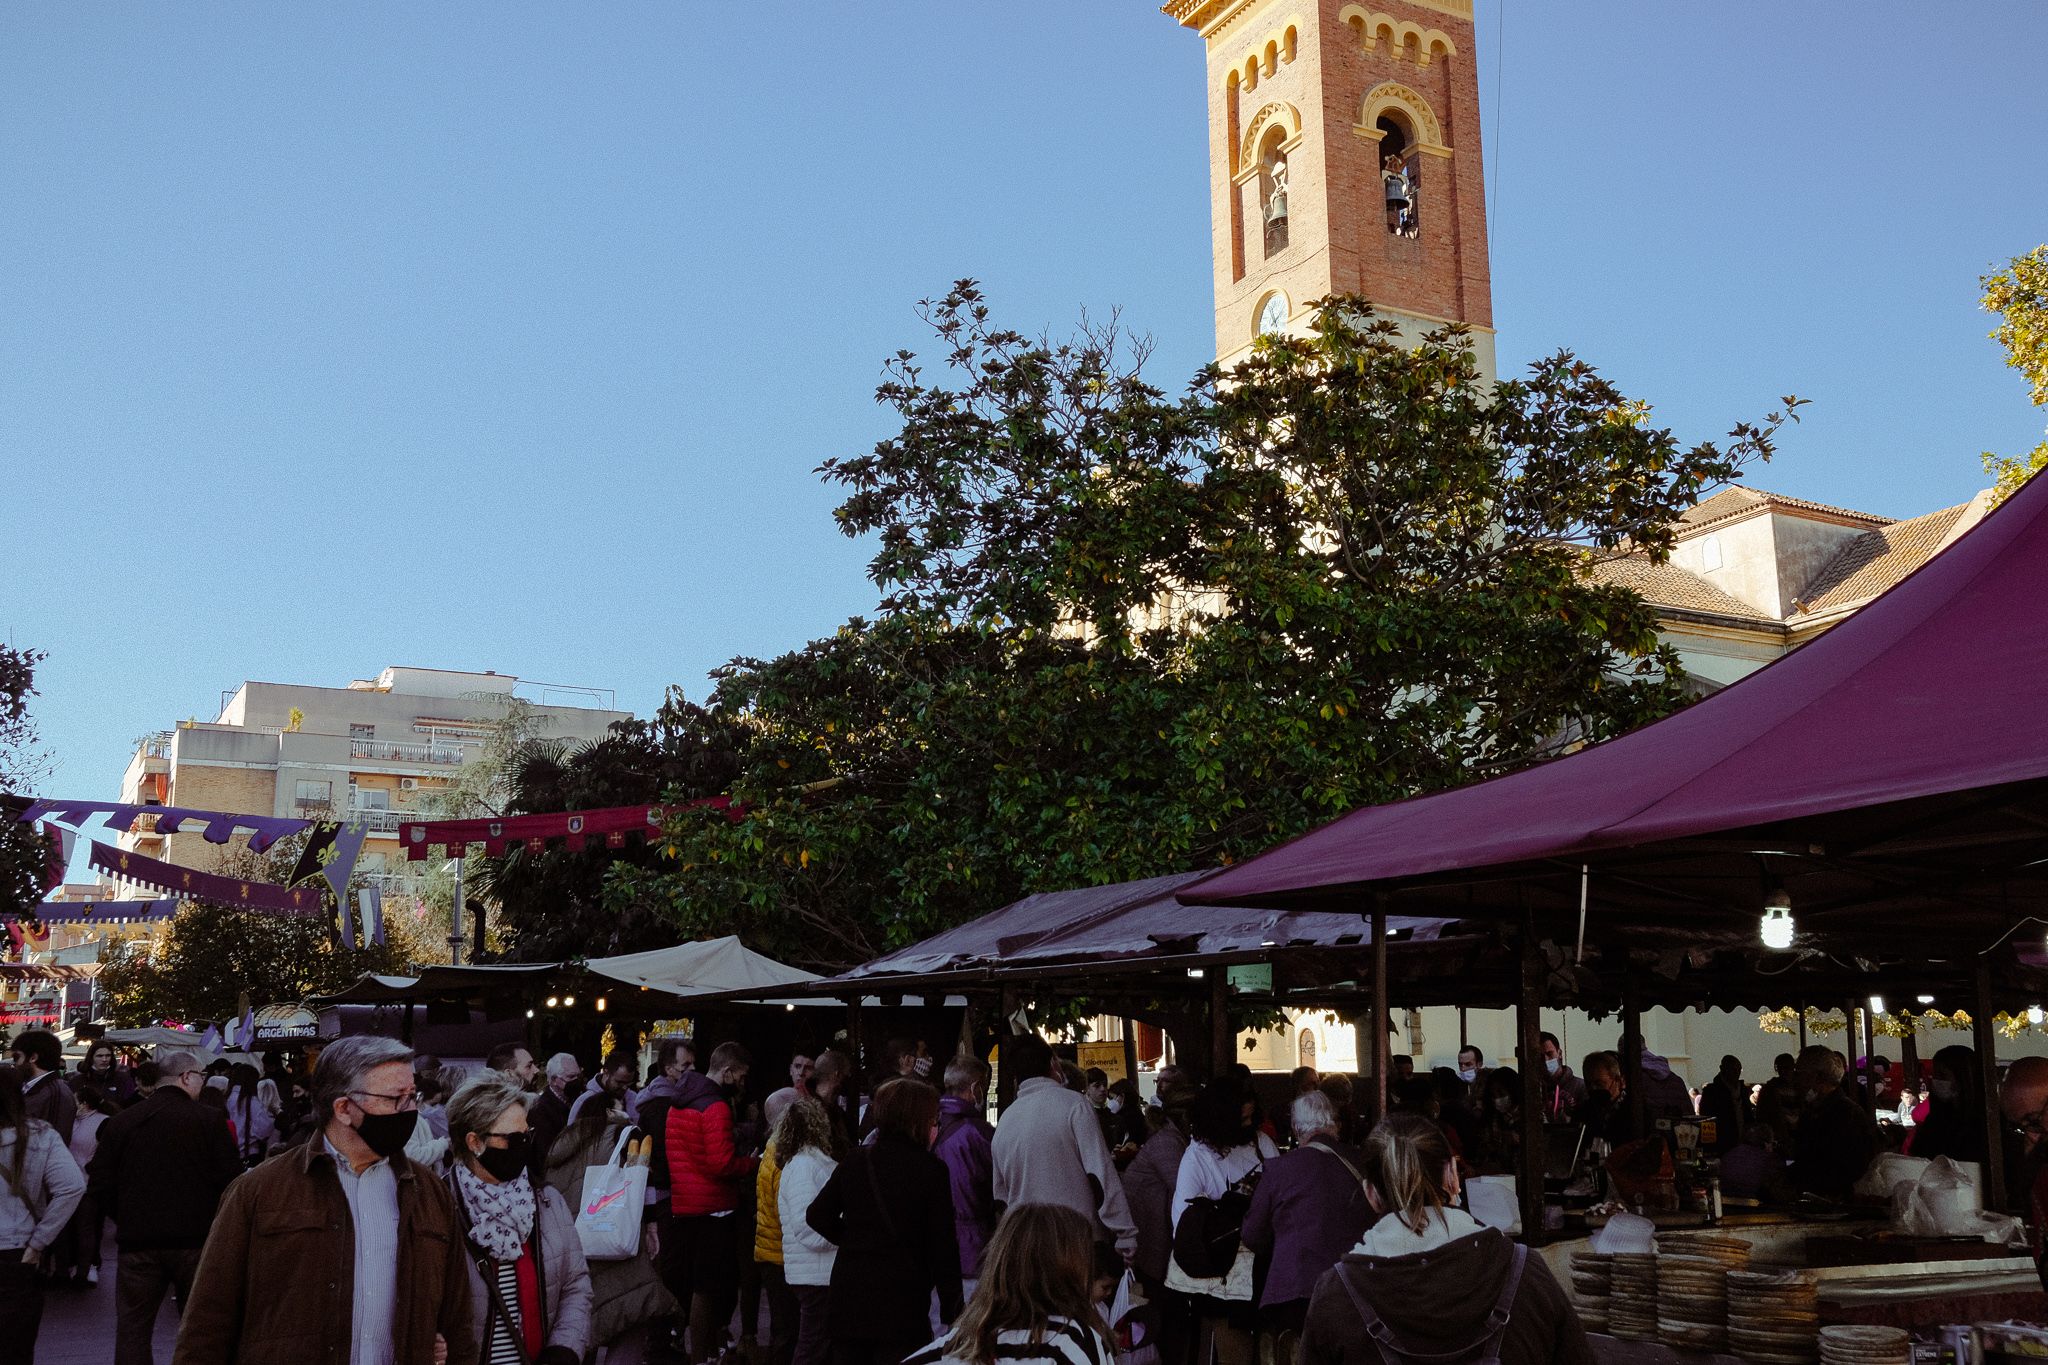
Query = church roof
x=1731 y=503
x=1875 y=560
x=1668 y=587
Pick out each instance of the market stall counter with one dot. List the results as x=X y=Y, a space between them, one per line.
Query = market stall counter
x=1782 y=1289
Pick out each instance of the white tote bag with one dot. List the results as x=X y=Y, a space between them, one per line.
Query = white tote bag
x=608 y=1214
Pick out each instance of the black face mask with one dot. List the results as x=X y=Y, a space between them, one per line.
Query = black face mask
x=504 y=1163
x=387 y=1134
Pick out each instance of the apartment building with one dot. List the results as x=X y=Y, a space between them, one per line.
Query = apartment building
x=378 y=751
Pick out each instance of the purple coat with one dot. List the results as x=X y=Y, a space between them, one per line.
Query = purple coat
x=963 y=1144
x=1306 y=1213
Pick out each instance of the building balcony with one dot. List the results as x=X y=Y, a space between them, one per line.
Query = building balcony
x=394 y=886
x=398 y=751
x=378 y=819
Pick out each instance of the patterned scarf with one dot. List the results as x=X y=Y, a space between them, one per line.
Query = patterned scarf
x=501 y=1215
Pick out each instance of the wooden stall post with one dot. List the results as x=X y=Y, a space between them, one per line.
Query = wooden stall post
x=1382 y=1013
x=1982 y=1010
x=1529 y=1031
x=853 y=1050
x=1130 y=1049
x=1632 y=1057
x=966 y=1046
x=1006 y=1064
x=1853 y=1031
x=1222 y=1038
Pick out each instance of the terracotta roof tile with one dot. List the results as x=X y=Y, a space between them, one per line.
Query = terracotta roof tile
x=1876 y=560
x=1669 y=587
x=1739 y=501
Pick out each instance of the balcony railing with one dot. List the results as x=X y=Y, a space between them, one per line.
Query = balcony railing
x=401 y=752
x=379 y=819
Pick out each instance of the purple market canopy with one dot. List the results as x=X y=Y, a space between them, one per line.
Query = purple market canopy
x=1893 y=767
x=1125 y=923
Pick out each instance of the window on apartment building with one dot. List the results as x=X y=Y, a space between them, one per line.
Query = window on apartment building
x=311 y=793
x=369 y=798
x=362 y=731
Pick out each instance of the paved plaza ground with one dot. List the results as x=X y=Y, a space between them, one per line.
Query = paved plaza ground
x=78 y=1327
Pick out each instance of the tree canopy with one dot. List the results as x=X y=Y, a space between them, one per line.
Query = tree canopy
x=1124 y=632
x=2019 y=295
x=24 y=853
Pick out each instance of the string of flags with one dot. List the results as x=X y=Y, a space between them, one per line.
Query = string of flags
x=613 y=825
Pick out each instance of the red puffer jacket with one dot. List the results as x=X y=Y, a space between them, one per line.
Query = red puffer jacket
x=705 y=1173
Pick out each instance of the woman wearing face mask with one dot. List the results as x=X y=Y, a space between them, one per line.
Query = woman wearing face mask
x=1123 y=1121
x=1954 y=1126
x=529 y=1284
x=1500 y=1123
x=1427 y=1282
x=1220 y=1167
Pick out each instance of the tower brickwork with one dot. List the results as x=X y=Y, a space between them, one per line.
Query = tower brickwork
x=1308 y=100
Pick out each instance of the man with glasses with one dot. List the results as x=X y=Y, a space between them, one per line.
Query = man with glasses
x=343 y=1249
x=2023 y=1096
x=158 y=1172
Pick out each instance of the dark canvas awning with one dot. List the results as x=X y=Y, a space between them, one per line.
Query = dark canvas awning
x=1897 y=763
x=1129 y=924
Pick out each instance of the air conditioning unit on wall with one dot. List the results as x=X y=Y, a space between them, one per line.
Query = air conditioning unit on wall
x=406 y=784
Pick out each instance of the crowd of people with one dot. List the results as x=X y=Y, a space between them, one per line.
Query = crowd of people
x=387 y=1208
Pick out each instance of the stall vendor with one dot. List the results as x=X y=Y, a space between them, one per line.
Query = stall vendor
x=1836 y=1141
x=2024 y=1099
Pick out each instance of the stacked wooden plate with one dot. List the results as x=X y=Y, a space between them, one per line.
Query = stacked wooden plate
x=1773 y=1317
x=1731 y=1252
x=1692 y=1303
x=1592 y=1283
x=1632 y=1301
x=1855 y=1345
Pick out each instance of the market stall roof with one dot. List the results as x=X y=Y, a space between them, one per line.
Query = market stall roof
x=706 y=967
x=156 y=1035
x=1899 y=759
x=437 y=983
x=1128 y=924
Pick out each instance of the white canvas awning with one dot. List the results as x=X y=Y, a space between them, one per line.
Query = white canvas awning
x=715 y=965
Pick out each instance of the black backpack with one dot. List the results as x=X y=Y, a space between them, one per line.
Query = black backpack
x=1206 y=1240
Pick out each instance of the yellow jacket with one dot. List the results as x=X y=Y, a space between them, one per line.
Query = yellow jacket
x=767 y=1219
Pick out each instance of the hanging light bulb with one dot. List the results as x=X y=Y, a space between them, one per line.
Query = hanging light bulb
x=1876 y=1005
x=2034 y=1015
x=1777 y=922
x=552 y=1002
x=600 y=1004
x=1925 y=999
x=569 y=1000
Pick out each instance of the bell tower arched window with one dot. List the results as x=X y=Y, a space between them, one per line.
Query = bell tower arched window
x=1400 y=175
x=1273 y=191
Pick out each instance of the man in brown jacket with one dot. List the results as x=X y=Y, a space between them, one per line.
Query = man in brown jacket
x=342 y=1251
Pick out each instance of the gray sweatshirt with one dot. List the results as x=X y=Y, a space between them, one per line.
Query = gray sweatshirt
x=35 y=1208
x=1047 y=1149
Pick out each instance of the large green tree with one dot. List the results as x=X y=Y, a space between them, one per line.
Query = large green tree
x=24 y=853
x=2019 y=295
x=1125 y=632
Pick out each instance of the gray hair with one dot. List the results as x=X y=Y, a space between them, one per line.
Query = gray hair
x=560 y=1064
x=1312 y=1113
x=478 y=1105
x=965 y=1075
x=172 y=1065
x=345 y=1062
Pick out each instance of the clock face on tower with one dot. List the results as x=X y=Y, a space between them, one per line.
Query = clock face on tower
x=1273 y=316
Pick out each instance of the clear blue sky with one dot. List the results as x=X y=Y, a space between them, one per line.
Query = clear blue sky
x=507 y=336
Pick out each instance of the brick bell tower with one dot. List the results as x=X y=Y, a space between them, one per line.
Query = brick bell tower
x=1344 y=158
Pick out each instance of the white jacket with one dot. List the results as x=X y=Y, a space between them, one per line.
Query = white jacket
x=806 y=1257
x=1065 y=1342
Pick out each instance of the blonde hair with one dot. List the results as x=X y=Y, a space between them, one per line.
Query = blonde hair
x=803 y=1124
x=1039 y=1265
x=1405 y=1156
